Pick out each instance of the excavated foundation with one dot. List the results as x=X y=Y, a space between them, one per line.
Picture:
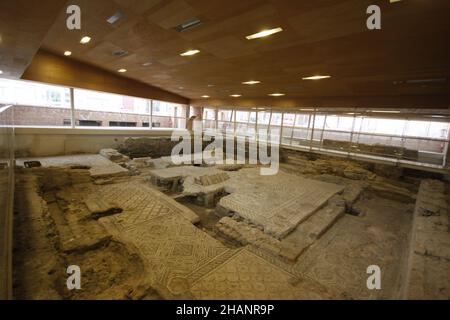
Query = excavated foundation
x=146 y=229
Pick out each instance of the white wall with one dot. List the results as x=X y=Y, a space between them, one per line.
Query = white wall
x=41 y=142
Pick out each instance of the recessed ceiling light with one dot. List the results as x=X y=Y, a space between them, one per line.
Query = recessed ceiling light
x=122 y=70
x=67 y=53
x=194 y=22
x=205 y=96
x=251 y=82
x=1 y=71
x=119 y=53
x=276 y=94
x=316 y=77
x=211 y=85
x=386 y=111
x=115 y=17
x=85 y=40
x=146 y=64
x=189 y=53
x=264 y=33
x=235 y=95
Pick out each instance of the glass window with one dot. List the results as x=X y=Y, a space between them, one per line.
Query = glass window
x=108 y=102
x=242 y=116
x=209 y=114
x=383 y=126
x=263 y=117
x=29 y=93
x=288 y=119
x=168 y=115
x=428 y=129
x=168 y=109
x=302 y=120
x=36 y=104
x=339 y=123
x=252 y=118
x=93 y=108
x=225 y=115
x=276 y=119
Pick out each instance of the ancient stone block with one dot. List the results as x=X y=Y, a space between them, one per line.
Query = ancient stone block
x=208 y=180
x=113 y=155
x=100 y=208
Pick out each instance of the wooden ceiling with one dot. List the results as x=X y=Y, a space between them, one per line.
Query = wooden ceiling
x=320 y=37
x=23 y=25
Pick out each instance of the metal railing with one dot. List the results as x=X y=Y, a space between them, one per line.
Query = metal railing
x=355 y=143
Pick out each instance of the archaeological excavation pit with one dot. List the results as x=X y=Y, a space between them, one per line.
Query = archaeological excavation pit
x=224 y=150
x=168 y=231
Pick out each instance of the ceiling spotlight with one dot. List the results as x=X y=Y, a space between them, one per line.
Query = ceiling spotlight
x=67 y=53
x=189 y=53
x=251 y=82
x=85 y=40
x=122 y=70
x=276 y=94
x=316 y=77
x=146 y=64
x=1 y=71
x=264 y=33
x=235 y=95
x=205 y=96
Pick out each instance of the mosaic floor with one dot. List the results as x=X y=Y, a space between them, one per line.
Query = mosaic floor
x=292 y=199
x=187 y=260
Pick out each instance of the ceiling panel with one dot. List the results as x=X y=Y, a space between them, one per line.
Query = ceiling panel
x=319 y=37
x=23 y=25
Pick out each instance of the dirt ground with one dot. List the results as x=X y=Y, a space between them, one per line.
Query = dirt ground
x=111 y=269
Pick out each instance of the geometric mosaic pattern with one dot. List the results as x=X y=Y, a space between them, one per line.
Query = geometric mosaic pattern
x=169 y=244
x=140 y=202
x=172 y=247
x=293 y=199
x=248 y=276
x=178 y=255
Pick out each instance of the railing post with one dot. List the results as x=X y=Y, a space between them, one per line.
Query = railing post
x=72 y=107
x=150 y=123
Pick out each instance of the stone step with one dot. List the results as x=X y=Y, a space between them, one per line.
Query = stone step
x=294 y=244
x=244 y=233
x=427 y=264
x=315 y=226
